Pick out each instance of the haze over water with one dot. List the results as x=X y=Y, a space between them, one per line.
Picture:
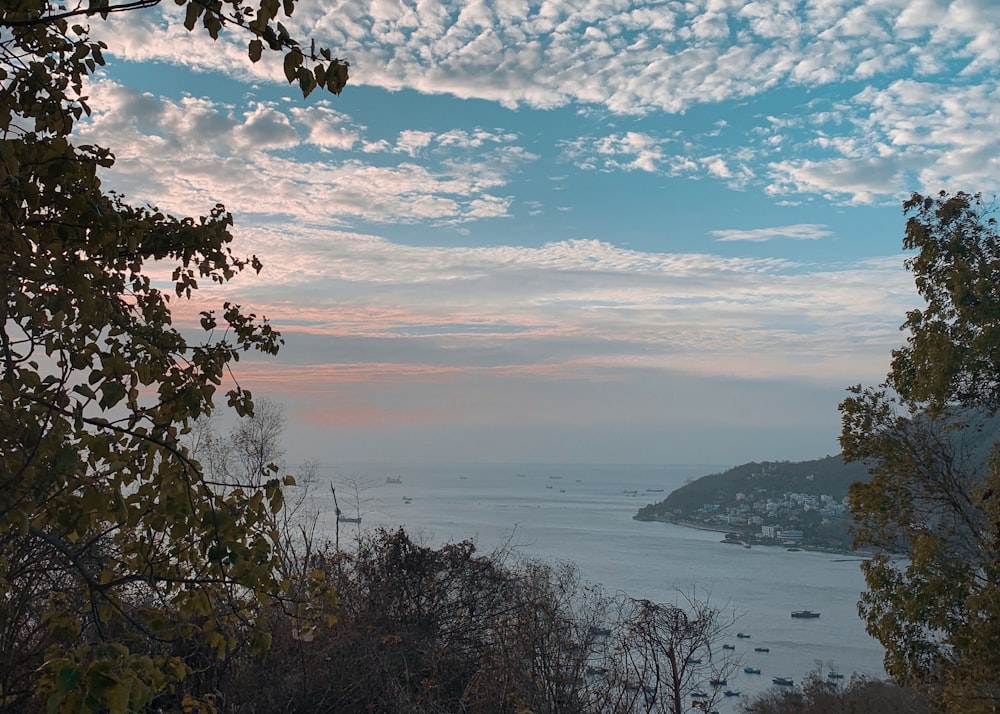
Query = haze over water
x=583 y=514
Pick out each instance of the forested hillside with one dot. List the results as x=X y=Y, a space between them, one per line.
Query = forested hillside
x=827 y=476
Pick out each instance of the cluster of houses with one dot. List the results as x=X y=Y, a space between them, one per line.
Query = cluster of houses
x=788 y=518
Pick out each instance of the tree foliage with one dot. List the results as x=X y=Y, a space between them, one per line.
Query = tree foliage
x=929 y=436
x=450 y=629
x=121 y=565
x=820 y=696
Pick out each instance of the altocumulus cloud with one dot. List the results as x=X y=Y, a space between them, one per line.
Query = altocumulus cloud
x=800 y=231
x=183 y=153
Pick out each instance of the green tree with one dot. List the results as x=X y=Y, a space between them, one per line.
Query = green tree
x=928 y=435
x=120 y=564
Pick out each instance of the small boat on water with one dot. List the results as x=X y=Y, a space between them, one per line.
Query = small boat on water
x=345 y=519
x=804 y=613
x=699 y=694
x=743 y=636
x=834 y=675
x=717 y=682
x=728 y=647
x=694 y=660
x=751 y=670
x=761 y=649
x=731 y=693
x=783 y=681
x=393 y=479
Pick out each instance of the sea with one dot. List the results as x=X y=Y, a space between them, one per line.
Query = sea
x=582 y=513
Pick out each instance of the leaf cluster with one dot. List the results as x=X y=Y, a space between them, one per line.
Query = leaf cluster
x=929 y=436
x=123 y=569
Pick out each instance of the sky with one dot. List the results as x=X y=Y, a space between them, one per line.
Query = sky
x=572 y=231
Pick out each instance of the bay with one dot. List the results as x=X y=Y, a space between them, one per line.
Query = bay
x=582 y=513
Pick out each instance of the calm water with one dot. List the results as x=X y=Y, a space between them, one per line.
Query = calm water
x=583 y=514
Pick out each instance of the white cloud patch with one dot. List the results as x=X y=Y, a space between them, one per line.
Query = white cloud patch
x=800 y=231
x=630 y=56
x=326 y=127
x=631 y=151
x=195 y=152
x=582 y=304
x=909 y=136
x=411 y=142
x=641 y=57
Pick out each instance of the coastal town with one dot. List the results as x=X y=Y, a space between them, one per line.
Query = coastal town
x=749 y=505
x=792 y=519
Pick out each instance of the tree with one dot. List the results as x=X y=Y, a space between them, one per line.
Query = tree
x=928 y=435
x=120 y=564
x=820 y=696
x=661 y=652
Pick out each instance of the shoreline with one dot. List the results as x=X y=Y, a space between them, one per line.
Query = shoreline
x=696 y=525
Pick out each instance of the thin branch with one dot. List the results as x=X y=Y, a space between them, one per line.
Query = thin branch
x=87 y=12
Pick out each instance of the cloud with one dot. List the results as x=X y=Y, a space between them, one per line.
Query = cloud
x=866 y=136
x=191 y=152
x=629 y=151
x=579 y=309
x=631 y=57
x=800 y=231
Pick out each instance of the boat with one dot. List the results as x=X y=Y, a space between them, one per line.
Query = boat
x=555 y=478
x=654 y=490
x=761 y=649
x=463 y=478
x=731 y=693
x=698 y=693
x=522 y=475
x=743 y=636
x=717 y=682
x=834 y=675
x=747 y=546
x=694 y=660
x=793 y=550
x=804 y=613
x=783 y=681
x=751 y=670
x=393 y=479
x=728 y=647
x=345 y=519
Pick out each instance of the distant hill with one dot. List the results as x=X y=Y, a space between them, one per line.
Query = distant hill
x=804 y=498
x=827 y=476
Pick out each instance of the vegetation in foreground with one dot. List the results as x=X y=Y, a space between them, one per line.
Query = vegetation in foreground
x=861 y=696
x=935 y=488
x=136 y=577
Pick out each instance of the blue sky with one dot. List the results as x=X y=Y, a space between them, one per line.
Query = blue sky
x=587 y=231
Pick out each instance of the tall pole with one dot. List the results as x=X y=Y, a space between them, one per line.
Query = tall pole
x=336 y=530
